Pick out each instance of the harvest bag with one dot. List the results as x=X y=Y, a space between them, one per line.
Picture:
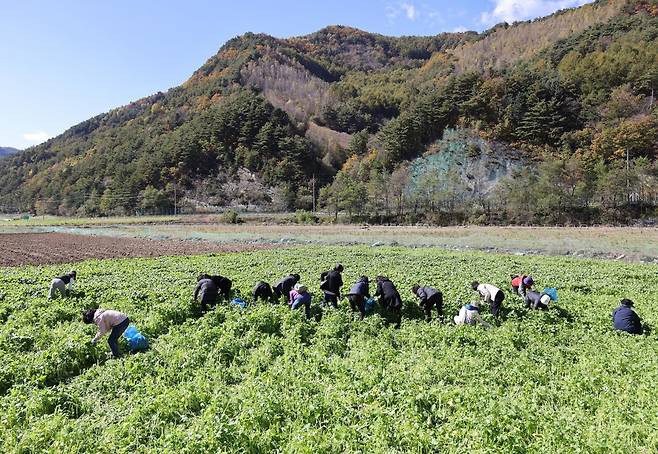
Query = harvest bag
x=239 y=302
x=552 y=292
x=136 y=340
x=370 y=305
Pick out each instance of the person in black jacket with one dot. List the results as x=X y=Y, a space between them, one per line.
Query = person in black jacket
x=224 y=285
x=624 y=318
x=207 y=289
x=358 y=294
x=331 y=282
x=429 y=297
x=389 y=298
x=283 y=287
x=263 y=291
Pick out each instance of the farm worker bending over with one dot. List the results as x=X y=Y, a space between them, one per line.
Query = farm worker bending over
x=536 y=300
x=223 y=285
x=470 y=315
x=207 y=290
x=331 y=282
x=299 y=296
x=358 y=294
x=60 y=283
x=626 y=319
x=389 y=297
x=284 y=286
x=262 y=290
x=429 y=297
x=521 y=284
x=491 y=295
x=107 y=320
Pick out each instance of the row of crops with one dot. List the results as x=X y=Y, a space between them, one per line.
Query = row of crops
x=265 y=379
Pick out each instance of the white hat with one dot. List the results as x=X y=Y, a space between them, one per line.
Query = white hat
x=300 y=288
x=545 y=299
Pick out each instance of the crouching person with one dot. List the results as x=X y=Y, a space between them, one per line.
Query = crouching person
x=429 y=297
x=389 y=298
x=206 y=289
x=223 y=285
x=284 y=286
x=521 y=284
x=299 y=296
x=470 y=315
x=262 y=291
x=358 y=295
x=536 y=300
x=624 y=318
x=63 y=285
x=491 y=295
x=111 y=321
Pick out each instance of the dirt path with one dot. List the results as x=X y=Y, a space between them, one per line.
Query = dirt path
x=45 y=248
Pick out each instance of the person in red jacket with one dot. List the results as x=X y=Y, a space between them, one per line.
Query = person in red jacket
x=521 y=284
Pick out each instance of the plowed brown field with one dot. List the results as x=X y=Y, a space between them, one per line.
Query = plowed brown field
x=44 y=248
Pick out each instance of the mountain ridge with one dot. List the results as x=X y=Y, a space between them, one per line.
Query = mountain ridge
x=283 y=109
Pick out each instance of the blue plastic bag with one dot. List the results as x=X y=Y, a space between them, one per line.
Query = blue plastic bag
x=552 y=292
x=136 y=340
x=239 y=302
x=370 y=305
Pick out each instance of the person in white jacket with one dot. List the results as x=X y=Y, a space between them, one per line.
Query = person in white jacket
x=491 y=295
x=470 y=315
x=114 y=322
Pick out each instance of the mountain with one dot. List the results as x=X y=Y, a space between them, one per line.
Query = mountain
x=364 y=113
x=6 y=151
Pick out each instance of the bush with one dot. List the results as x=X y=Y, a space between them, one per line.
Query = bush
x=231 y=217
x=305 y=217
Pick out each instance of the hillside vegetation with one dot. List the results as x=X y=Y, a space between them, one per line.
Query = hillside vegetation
x=565 y=104
x=266 y=380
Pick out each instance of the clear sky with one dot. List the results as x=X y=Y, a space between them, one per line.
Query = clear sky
x=64 y=61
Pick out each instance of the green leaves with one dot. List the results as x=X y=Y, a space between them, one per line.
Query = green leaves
x=265 y=379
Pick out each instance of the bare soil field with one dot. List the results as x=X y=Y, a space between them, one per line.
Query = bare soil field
x=18 y=249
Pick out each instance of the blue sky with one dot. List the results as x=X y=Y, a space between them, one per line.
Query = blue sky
x=63 y=61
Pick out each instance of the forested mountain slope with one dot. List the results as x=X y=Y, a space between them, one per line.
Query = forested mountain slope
x=6 y=151
x=355 y=110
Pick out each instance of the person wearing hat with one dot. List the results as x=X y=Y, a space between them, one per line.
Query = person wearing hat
x=521 y=284
x=536 y=300
x=223 y=285
x=389 y=297
x=624 y=318
x=470 y=315
x=491 y=295
x=429 y=297
x=358 y=295
x=60 y=284
x=284 y=286
x=299 y=296
x=331 y=282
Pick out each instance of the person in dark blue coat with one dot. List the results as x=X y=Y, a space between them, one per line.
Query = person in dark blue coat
x=358 y=294
x=624 y=318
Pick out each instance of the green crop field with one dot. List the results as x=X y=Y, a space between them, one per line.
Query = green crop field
x=264 y=379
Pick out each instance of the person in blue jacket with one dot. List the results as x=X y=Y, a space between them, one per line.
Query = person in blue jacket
x=624 y=318
x=358 y=295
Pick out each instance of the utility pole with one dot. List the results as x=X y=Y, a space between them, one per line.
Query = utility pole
x=313 y=191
